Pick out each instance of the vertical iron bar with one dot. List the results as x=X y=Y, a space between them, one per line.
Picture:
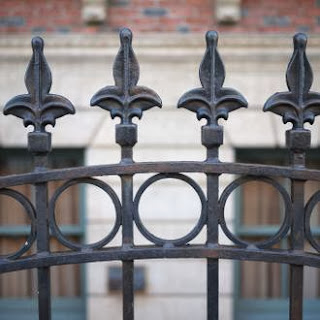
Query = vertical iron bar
x=39 y=108
x=44 y=295
x=126 y=137
x=43 y=240
x=212 y=240
x=212 y=138
x=212 y=289
x=128 y=290
x=295 y=109
x=127 y=241
x=297 y=243
x=133 y=100
x=212 y=102
x=298 y=141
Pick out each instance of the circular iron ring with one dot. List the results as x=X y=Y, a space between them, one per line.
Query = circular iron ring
x=57 y=232
x=284 y=228
x=313 y=201
x=27 y=205
x=179 y=241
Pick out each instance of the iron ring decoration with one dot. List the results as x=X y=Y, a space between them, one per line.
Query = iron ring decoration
x=308 y=211
x=27 y=205
x=284 y=228
x=197 y=228
x=56 y=230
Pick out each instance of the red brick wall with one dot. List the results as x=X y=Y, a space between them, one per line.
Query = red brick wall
x=159 y=15
x=163 y=15
x=40 y=15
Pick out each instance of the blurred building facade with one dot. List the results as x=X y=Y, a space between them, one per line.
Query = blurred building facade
x=81 y=42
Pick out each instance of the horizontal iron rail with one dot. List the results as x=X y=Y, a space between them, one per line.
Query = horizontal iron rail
x=154 y=252
x=160 y=167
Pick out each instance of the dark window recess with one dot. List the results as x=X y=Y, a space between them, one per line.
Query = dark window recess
x=115 y=279
x=260 y=214
x=14 y=227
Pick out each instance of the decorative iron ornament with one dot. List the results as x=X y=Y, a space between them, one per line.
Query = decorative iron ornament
x=284 y=227
x=212 y=101
x=125 y=99
x=38 y=108
x=172 y=242
x=299 y=105
x=55 y=227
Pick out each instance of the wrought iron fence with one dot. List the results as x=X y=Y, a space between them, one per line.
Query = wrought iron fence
x=126 y=100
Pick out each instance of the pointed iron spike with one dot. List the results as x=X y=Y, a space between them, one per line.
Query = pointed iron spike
x=125 y=36
x=212 y=38
x=300 y=41
x=37 y=44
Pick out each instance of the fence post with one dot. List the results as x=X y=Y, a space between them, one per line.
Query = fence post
x=40 y=108
x=212 y=101
x=126 y=100
x=298 y=141
x=297 y=106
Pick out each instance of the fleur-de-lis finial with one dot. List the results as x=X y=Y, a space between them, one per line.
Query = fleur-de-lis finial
x=125 y=99
x=299 y=105
x=38 y=108
x=212 y=101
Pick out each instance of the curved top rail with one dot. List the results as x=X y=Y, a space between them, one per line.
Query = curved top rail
x=156 y=252
x=160 y=167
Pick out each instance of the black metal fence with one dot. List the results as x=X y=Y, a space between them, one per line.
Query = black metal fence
x=127 y=100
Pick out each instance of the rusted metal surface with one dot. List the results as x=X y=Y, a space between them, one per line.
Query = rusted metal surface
x=127 y=100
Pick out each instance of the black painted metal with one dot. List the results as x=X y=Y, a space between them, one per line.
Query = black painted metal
x=127 y=100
